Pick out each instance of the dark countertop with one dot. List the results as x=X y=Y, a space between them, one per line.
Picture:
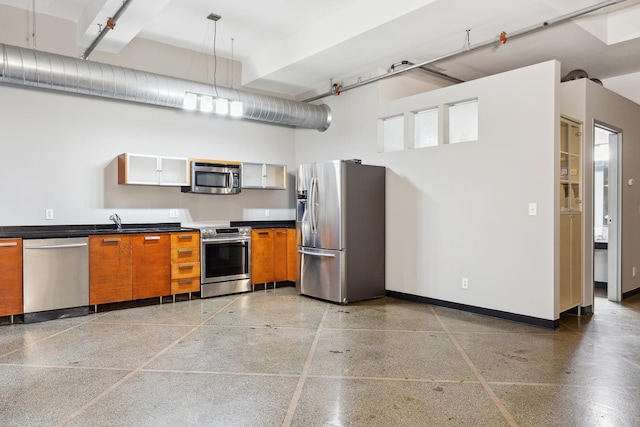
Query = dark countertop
x=264 y=224
x=61 y=231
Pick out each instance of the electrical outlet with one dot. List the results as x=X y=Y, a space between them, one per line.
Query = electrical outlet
x=48 y=214
x=533 y=209
x=173 y=213
x=634 y=272
x=267 y=214
x=465 y=283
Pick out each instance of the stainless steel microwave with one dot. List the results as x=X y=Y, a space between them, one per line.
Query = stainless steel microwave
x=215 y=178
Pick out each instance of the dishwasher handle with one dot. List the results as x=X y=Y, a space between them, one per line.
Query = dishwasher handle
x=73 y=245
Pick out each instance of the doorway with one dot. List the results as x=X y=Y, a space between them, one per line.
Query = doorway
x=606 y=211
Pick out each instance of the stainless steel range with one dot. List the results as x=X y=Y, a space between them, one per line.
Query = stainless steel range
x=225 y=260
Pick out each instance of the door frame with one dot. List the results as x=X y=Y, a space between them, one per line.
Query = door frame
x=614 y=247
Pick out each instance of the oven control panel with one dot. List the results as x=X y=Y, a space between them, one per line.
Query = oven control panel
x=225 y=232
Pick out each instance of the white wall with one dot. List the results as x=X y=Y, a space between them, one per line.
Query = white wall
x=627 y=85
x=589 y=102
x=461 y=210
x=58 y=150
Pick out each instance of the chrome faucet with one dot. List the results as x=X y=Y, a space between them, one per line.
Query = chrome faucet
x=116 y=220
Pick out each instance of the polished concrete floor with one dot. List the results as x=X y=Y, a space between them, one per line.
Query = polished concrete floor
x=274 y=358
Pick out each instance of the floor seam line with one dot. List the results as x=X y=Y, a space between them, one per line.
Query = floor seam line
x=295 y=399
x=50 y=336
x=122 y=380
x=492 y=395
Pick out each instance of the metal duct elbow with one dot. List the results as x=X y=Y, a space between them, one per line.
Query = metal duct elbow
x=28 y=67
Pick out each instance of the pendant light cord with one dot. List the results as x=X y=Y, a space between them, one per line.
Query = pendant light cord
x=215 y=57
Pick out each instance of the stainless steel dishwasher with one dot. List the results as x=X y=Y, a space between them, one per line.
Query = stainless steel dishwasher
x=55 y=278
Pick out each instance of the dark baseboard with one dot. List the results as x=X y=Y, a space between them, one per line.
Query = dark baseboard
x=64 y=313
x=579 y=311
x=586 y=310
x=600 y=285
x=631 y=293
x=529 y=320
x=272 y=285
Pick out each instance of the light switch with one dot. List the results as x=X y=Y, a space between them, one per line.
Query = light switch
x=533 y=209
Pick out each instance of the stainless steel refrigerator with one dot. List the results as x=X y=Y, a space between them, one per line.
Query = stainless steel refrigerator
x=340 y=223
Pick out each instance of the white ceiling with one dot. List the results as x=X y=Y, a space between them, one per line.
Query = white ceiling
x=294 y=47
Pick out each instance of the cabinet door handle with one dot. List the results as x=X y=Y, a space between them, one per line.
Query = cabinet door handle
x=9 y=244
x=263 y=233
x=185 y=251
x=185 y=282
x=185 y=236
x=185 y=267
x=152 y=238
x=114 y=240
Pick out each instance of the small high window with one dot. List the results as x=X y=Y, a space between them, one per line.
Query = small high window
x=463 y=121
x=393 y=134
x=426 y=128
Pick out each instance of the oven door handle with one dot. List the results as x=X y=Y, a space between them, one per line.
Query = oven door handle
x=226 y=240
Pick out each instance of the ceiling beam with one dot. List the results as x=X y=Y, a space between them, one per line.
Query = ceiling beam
x=97 y=12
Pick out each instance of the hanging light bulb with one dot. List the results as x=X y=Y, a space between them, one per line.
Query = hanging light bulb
x=236 y=109
x=190 y=101
x=222 y=106
x=206 y=103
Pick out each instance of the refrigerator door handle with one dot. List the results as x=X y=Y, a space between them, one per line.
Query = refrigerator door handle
x=314 y=205
x=300 y=251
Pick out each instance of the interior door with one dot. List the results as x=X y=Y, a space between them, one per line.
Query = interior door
x=614 y=287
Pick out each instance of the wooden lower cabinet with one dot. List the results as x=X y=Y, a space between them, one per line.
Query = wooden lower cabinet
x=151 y=265
x=185 y=262
x=280 y=255
x=10 y=277
x=292 y=255
x=273 y=254
x=130 y=267
x=570 y=260
x=262 y=268
x=110 y=269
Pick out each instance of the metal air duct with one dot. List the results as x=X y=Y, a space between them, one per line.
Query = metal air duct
x=51 y=71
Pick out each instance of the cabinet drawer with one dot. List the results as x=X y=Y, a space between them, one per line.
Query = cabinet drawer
x=185 y=270
x=180 y=255
x=181 y=286
x=185 y=240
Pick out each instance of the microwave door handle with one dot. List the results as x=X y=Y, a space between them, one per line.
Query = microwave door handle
x=230 y=186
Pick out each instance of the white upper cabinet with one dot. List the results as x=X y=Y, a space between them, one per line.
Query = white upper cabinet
x=264 y=176
x=145 y=169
